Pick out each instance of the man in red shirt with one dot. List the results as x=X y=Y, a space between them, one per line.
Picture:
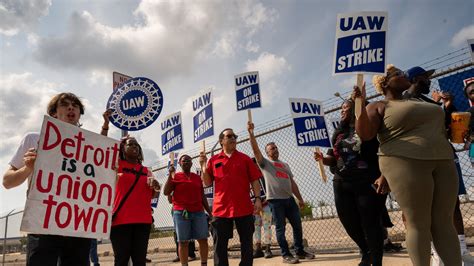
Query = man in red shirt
x=232 y=171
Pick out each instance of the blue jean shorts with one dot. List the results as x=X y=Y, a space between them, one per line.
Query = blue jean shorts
x=192 y=227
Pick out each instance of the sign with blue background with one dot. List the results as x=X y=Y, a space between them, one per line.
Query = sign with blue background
x=308 y=121
x=455 y=85
x=136 y=104
x=360 y=43
x=247 y=91
x=203 y=120
x=172 y=137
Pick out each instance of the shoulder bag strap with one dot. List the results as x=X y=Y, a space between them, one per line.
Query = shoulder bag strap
x=137 y=176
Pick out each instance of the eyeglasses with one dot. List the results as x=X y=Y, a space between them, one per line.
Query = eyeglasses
x=397 y=73
x=231 y=136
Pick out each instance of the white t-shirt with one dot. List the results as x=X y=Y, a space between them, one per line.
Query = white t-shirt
x=30 y=140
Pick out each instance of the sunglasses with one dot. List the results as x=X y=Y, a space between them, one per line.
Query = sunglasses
x=231 y=136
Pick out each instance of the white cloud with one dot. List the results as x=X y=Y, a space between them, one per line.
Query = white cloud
x=270 y=68
x=168 y=37
x=252 y=47
x=226 y=46
x=460 y=38
x=21 y=15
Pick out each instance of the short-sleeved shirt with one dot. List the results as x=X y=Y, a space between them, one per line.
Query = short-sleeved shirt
x=136 y=208
x=30 y=140
x=188 y=192
x=232 y=176
x=277 y=176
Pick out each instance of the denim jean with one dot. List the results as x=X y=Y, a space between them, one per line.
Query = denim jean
x=287 y=208
x=93 y=252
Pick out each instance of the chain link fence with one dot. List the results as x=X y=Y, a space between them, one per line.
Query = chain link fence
x=322 y=229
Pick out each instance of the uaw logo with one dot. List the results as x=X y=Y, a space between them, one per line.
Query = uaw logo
x=136 y=104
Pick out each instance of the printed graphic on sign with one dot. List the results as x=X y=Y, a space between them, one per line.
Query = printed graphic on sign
x=455 y=84
x=247 y=91
x=360 y=43
x=119 y=79
x=72 y=186
x=335 y=122
x=308 y=121
x=136 y=104
x=203 y=123
x=172 y=138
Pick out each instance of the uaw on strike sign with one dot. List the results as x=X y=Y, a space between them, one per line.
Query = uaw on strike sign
x=72 y=187
x=203 y=119
x=172 y=137
x=308 y=121
x=360 y=42
x=247 y=91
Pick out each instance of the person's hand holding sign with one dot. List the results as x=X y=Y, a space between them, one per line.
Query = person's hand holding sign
x=359 y=93
x=29 y=159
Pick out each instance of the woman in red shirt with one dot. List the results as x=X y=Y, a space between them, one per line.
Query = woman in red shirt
x=189 y=203
x=131 y=221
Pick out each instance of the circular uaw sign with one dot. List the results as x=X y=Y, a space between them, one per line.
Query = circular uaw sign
x=136 y=104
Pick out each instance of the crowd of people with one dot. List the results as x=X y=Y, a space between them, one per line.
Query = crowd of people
x=398 y=144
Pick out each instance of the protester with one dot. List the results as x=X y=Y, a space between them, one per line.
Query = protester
x=131 y=222
x=263 y=220
x=469 y=93
x=357 y=180
x=280 y=188
x=48 y=250
x=417 y=160
x=191 y=245
x=189 y=204
x=420 y=79
x=232 y=171
x=93 y=253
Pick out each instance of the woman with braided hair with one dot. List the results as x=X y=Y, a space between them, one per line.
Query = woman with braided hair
x=417 y=161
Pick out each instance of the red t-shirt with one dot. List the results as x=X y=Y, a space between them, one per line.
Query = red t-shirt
x=188 y=192
x=136 y=209
x=231 y=184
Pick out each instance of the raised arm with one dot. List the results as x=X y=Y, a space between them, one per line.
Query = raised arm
x=253 y=142
x=169 y=185
x=370 y=119
x=105 y=126
x=205 y=176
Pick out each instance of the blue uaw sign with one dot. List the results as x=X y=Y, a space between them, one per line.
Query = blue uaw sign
x=172 y=137
x=360 y=43
x=136 y=104
x=203 y=120
x=247 y=91
x=308 y=121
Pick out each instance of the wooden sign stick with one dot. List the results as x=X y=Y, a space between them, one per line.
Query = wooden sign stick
x=321 y=167
x=358 y=102
x=172 y=163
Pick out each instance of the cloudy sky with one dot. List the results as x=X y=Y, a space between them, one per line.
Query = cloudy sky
x=50 y=46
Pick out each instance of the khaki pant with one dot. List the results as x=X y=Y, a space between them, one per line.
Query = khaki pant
x=426 y=191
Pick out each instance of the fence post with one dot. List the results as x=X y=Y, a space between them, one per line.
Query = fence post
x=5 y=237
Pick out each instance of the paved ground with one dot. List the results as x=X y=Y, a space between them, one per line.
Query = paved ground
x=392 y=259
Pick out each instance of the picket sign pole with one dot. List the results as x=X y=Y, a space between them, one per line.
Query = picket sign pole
x=321 y=167
x=249 y=115
x=358 y=101
x=203 y=146
x=172 y=163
